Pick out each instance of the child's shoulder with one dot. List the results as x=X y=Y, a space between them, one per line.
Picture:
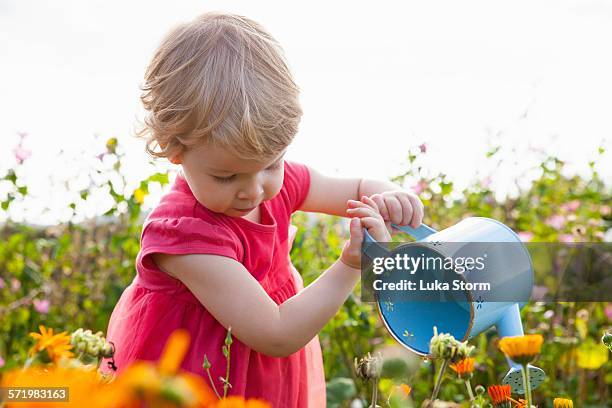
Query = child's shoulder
x=296 y=169
x=180 y=207
x=296 y=184
x=177 y=203
x=296 y=173
x=178 y=221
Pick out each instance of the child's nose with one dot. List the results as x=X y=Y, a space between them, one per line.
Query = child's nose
x=252 y=192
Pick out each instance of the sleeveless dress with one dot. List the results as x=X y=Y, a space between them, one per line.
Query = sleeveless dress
x=155 y=303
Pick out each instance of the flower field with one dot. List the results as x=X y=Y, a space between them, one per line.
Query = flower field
x=59 y=284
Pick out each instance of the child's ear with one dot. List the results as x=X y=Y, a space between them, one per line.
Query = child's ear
x=177 y=159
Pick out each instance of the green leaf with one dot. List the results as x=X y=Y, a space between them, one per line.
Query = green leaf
x=493 y=151
x=161 y=178
x=11 y=176
x=591 y=355
x=394 y=368
x=340 y=390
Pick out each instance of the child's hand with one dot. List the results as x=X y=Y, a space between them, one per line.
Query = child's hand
x=364 y=214
x=399 y=207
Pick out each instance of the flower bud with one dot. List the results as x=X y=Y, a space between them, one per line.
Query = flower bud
x=368 y=367
x=445 y=346
x=107 y=350
x=93 y=349
x=607 y=340
x=81 y=346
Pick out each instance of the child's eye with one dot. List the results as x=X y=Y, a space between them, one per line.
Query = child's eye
x=230 y=178
x=224 y=179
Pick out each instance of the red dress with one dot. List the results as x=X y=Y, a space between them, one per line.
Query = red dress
x=155 y=303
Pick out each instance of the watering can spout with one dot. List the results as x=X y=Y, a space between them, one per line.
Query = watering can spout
x=510 y=325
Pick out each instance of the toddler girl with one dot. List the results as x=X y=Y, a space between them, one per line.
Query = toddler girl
x=214 y=253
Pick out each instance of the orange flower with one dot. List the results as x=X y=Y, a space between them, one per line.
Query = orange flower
x=463 y=367
x=522 y=349
x=83 y=384
x=239 y=402
x=405 y=389
x=56 y=346
x=521 y=403
x=174 y=352
x=499 y=393
x=145 y=381
x=563 y=403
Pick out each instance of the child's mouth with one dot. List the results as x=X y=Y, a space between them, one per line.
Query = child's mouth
x=245 y=210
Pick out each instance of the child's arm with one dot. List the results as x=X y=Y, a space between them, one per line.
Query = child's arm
x=233 y=296
x=329 y=195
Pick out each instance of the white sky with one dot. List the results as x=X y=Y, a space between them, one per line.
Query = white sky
x=376 y=79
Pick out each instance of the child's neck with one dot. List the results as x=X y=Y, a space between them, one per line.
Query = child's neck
x=254 y=216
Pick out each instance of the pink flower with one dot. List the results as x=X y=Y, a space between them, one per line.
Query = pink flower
x=15 y=285
x=571 y=206
x=1 y=362
x=605 y=210
x=538 y=292
x=556 y=221
x=21 y=154
x=423 y=147
x=2 y=283
x=486 y=182
x=41 y=306
x=566 y=238
x=525 y=236
x=609 y=311
x=419 y=187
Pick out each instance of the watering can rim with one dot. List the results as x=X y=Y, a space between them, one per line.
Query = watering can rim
x=404 y=228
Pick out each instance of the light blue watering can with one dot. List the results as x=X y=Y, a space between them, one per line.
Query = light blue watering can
x=464 y=316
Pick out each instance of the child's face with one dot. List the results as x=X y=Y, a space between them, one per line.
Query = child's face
x=226 y=184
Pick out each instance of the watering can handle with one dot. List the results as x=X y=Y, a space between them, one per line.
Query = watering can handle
x=373 y=250
x=419 y=233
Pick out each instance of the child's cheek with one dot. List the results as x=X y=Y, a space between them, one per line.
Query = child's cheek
x=276 y=185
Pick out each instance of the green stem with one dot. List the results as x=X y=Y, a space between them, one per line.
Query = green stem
x=212 y=383
x=388 y=398
x=227 y=371
x=468 y=385
x=436 y=390
x=375 y=393
x=526 y=384
x=28 y=363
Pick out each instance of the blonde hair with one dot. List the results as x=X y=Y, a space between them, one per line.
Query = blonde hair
x=219 y=79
